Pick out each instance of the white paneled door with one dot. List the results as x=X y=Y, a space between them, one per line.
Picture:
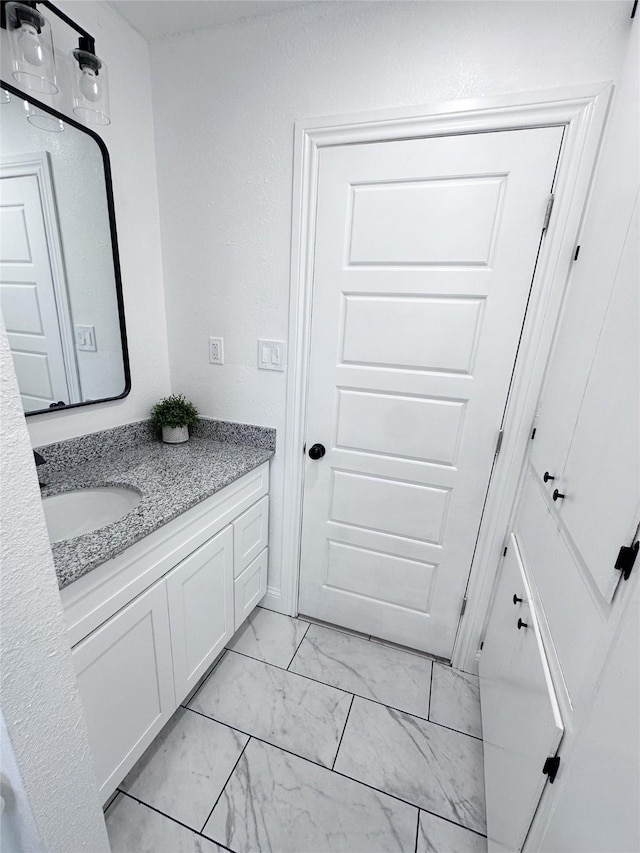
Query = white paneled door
x=425 y=251
x=27 y=295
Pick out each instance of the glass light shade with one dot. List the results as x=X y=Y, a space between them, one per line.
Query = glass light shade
x=39 y=118
x=32 y=57
x=90 y=88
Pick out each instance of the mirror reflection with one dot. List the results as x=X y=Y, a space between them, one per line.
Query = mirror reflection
x=59 y=281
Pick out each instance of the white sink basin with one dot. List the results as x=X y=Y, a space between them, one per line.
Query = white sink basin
x=83 y=510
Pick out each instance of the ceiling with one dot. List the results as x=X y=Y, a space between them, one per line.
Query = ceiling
x=156 y=18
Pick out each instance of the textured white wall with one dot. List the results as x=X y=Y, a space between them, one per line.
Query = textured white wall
x=40 y=700
x=129 y=139
x=225 y=101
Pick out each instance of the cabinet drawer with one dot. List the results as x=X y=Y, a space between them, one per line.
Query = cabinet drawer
x=126 y=684
x=201 y=613
x=250 y=535
x=250 y=587
x=521 y=722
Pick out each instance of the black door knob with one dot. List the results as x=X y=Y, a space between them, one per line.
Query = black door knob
x=316 y=451
x=522 y=624
x=516 y=599
x=556 y=495
x=547 y=477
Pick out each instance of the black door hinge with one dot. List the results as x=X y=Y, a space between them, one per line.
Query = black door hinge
x=626 y=558
x=551 y=767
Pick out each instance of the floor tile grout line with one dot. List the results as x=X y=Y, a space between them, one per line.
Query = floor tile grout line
x=108 y=804
x=169 y=817
x=236 y=729
x=430 y=694
x=448 y=820
x=337 y=772
x=344 y=728
x=298 y=646
x=417 y=832
x=351 y=693
x=206 y=677
x=449 y=728
x=233 y=770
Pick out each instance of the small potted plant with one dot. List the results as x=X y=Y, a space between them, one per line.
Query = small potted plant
x=174 y=415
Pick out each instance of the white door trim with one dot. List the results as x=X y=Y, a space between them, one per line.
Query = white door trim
x=37 y=164
x=582 y=110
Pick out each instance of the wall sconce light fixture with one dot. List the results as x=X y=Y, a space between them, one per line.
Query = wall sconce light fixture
x=33 y=58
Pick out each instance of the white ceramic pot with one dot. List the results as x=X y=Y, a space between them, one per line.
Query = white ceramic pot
x=175 y=435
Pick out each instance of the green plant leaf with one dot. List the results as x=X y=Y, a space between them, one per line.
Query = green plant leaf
x=174 y=411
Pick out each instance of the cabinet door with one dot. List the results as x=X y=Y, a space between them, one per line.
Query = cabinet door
x=126 y=684
x=521 y=723
x=250 y=535
x=200 y=592
x=601 y=478
x=250 y=587
x=602 y=237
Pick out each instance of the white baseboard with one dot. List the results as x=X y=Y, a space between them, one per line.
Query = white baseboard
x=273 y=601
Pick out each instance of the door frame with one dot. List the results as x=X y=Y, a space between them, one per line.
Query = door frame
x=582 y=110
x=38 y=165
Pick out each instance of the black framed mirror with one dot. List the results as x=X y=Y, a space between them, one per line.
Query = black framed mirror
x=60 y=283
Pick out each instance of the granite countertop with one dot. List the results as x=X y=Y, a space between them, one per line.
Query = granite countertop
x=170 y=478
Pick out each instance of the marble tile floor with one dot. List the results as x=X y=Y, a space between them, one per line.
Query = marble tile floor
x=307 y=738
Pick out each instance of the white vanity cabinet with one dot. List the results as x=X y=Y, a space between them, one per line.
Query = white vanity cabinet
x=126 y=682
x=145 y=626
x=201 y=609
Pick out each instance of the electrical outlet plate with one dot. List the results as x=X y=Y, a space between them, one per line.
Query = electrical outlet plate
x=216 y=350
x=272 y=355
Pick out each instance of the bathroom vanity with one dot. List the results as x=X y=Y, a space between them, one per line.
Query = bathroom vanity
x=146 y=623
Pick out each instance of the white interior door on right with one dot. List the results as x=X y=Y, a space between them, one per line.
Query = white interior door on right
x=425 y=251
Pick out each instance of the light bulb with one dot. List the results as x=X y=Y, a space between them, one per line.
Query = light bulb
x=29 y=44
x=89 y=85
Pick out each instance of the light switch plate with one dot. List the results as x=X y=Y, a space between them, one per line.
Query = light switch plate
x=216 y=350
x=272 y=355
x=86 y=338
